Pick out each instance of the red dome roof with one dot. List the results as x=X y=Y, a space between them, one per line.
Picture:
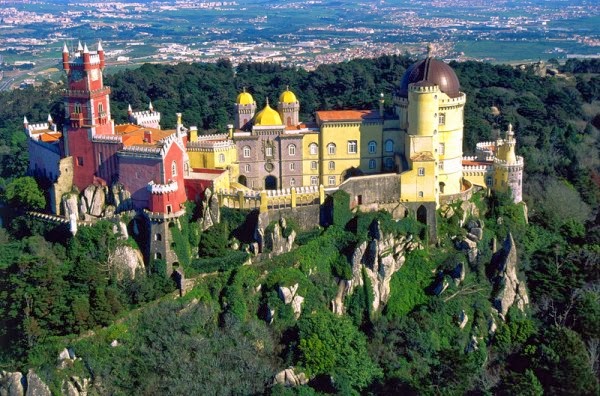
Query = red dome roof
x=431 y=71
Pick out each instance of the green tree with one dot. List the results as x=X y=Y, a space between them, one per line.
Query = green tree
x=24 y=193
x=332 y=345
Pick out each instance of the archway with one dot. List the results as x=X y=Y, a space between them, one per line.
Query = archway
x=351 y=172
x=422 y=214
x=243 y=181
x=442 y=185
x=270 y=183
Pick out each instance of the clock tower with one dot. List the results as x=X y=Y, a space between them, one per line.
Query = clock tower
x=87 y=108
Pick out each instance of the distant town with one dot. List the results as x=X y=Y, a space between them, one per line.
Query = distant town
x=302 y=34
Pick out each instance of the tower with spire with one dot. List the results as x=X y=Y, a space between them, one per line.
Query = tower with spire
x=244 y=109
x=87 y=114
x=508 y=167
x=289 y=108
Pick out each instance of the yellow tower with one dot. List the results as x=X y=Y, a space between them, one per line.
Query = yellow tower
x=289 y=108
x=245 y=107
x=430 y=110
x=508 y=167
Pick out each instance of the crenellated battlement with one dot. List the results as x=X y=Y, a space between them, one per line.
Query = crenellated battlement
x=429 y=88
x=107 y=138
x=519 y=163
x=170 y=187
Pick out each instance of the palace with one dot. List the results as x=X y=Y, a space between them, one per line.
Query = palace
x=413 y=157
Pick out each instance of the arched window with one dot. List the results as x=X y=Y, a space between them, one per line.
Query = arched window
x=313 y=148
x=246 y=151
x=292 y=166
x=77 y=108
x=331 y=149
x=314 y=180
x=292 y=149
x=157 y=237
x=221 y=158
x=372 y=147
x=389 y=146
x=292 y=182
x=247 y=168
x=352 y=146
x=314 y=165
x=331 y=165
x=158 y=256
x=372 y=164
x=174 y=169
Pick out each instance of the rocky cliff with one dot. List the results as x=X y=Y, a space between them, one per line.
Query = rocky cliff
x=380 y=257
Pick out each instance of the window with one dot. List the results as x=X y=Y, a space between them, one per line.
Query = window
x=157 y=256
x=389 y=163
x=332 y=180
x=420 y=194
x=174 y=169
x=313 y=148
x=77 y=108
x=79 y=161
x=372 y=164
x=421 y=171
x=292 y=182
x=269 y=151
x=331 y=165
x=314 y=165
x=372 y=147
x=100 y=108
x=442 y=119
x=489 y=181
x=352 y=147
x=331 y=149
x=157 y=237
x=441 y=165
x=221 y=158
x=246 y=151
x=292 y=149
x=441 y=148
x=100 y=159
x=389 y=146
x=292 y=166
x=247 y=168
x=314 y=180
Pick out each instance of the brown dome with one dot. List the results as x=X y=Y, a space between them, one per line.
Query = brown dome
x=431 y=71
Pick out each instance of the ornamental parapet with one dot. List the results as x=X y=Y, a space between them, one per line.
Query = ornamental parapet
x=84 y=94
x=488 y=158
x=517 y=164
x=142 y=150
x=428 y=88
x=209 y=145
x=162 y=188
x=107 y=138
x=159 y=217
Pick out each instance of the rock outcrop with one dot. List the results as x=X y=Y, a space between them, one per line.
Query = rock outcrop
x=288 y=377
x=273 y=240
x=35 y=385
x=11 y=384
x=211 y=213
x=508 y=289
x=93 y=200
x=126 y=261
x=120 y=197
x=289 y=296
x=380 y=257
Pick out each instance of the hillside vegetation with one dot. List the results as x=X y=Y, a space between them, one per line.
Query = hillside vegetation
x=233 y=331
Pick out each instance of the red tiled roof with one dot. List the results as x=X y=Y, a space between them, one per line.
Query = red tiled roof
x=346 y=115
x=133 y=135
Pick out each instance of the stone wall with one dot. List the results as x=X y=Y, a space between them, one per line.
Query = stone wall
x=365 y=190
x=307 y=217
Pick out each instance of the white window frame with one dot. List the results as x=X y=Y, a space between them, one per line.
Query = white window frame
x=247 y=168
x=269 y=151
x=331 y=165
x=313 y=148
x=292 y=149
x=442 y=119
x=352 y=147
x=292 y=166
x=331 y=180
x=442 y=148
x=246 y=151
x=421 y=171
x=221 y=158
x=314 y=165
x=314 y=180
x=331 y=149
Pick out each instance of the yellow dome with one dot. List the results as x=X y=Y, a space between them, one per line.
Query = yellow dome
x=287 y=96
x=268 y=116
x=244 y=98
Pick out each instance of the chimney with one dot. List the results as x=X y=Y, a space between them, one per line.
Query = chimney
x=193 y=134
x=147 y=136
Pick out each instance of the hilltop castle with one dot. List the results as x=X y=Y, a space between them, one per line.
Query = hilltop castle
x=412 y=158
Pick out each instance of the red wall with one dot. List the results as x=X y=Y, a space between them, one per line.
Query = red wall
x=135 y=173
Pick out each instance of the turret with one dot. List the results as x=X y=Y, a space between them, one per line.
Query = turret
x=101 y=54
x=65 y=58
x=129 y=110
x=150 y=107
x=86 y=58
x=25 y=122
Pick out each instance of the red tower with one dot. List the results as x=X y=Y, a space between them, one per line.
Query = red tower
x=87 y=107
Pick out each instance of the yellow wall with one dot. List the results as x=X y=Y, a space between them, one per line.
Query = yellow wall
x=209 y=157
x=411 y=183
x=339 y=134
x=371 y=132
x=307 y=158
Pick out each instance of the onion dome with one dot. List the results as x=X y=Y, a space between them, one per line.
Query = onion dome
x=431 y=71
x=267 y=116
x=244 y=98
x=287 y=96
